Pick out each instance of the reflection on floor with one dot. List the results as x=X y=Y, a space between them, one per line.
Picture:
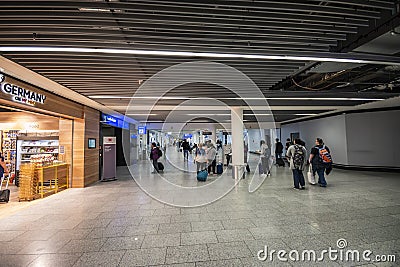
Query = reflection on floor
x=117 y=224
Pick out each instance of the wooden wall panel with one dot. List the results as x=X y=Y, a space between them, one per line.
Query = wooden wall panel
x=78 y=157
x=65 y=139
x=85 y=160
x=92 y=130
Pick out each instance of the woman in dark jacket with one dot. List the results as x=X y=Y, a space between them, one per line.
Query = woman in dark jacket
x=154 y=156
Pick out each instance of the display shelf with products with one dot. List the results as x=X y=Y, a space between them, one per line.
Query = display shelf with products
x=9 y=147
x=33 y=150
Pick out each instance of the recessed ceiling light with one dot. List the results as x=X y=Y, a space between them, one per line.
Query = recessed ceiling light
x=140 y=97
x=257 y=114
x=94 y=9
x=239 y=98
x=329 y=58
x=200 y=114
x=137 y=114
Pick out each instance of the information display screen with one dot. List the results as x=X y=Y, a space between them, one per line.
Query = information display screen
x=91 y=143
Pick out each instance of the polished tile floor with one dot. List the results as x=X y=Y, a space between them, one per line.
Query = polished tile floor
x=117 y=224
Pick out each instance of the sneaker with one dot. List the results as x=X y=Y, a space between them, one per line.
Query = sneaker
x=153 y=172
x=302 y=188
x=296 y=188
x=321 y=185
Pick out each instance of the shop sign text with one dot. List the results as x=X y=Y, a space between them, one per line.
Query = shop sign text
x=22 y=95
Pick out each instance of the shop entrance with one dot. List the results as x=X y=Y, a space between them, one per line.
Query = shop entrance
x=37 y=152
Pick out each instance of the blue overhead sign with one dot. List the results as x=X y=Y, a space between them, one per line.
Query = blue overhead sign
x=142 y=130
x=113 y=121
x=187 y=136
x=109 y=119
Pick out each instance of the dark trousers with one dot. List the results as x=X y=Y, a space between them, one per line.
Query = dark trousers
x=212 y=166
x=321 y=175
x=228 y=159
x=185 y=154
x=155 y=165
x=278 y=155
x=298 y=178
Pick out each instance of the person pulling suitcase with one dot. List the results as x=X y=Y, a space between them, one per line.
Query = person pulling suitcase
x=4 y=193
x=265 y=155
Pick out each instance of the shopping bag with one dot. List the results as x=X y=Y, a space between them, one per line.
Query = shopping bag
x=311 y=176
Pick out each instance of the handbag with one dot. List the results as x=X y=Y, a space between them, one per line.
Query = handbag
x=311 y=175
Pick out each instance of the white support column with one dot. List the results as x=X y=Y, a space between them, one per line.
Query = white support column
x=213 y=134
x=237 y=136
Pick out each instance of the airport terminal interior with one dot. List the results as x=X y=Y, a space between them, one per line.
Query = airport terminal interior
x=199 y=133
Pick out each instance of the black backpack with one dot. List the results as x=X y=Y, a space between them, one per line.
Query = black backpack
x=298 y=157
x=159 y=152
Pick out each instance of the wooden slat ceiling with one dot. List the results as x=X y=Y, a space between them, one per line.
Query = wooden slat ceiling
x=239 y=26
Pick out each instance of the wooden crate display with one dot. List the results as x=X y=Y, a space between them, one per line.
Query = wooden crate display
x=28 y=182
x=52 y=179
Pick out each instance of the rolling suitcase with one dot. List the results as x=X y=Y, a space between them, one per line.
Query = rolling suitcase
x=4 y=193
x=160 y=166
x=202 y=175
x=280 y=162
x=220 y=168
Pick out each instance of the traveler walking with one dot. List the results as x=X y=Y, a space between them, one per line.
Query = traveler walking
x=219 y=144
x=288 y=144
x=201 y=158
x=297 y=156
x=186 y=148
x=320 y=159
x=228 y=153
x=155 y=154
x=265 y=154
x=246 y=156
x=211 y=158
x=278 y=149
